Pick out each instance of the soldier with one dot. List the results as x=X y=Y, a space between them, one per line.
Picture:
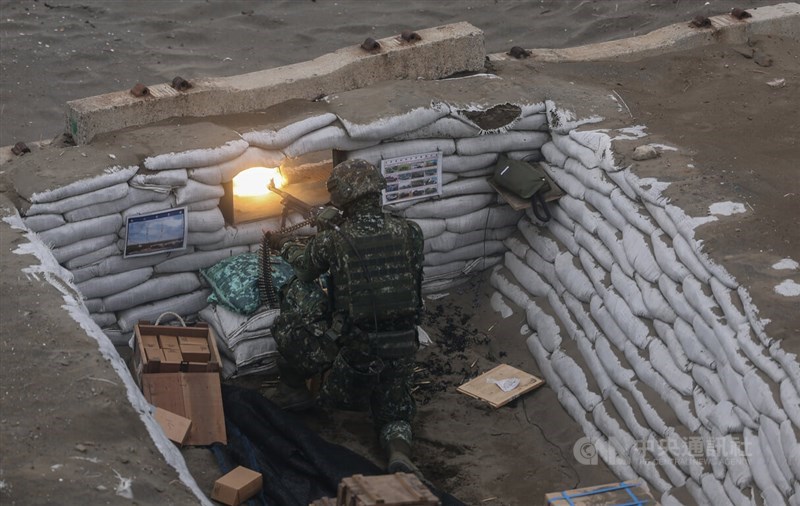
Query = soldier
x=374 y=261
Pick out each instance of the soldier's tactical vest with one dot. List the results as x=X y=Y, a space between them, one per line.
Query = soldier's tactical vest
x=375 y=280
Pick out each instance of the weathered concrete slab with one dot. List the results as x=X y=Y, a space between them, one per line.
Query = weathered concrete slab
x=442 y=51
x=777 y=20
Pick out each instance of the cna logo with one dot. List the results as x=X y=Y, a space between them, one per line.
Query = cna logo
x=585 y=452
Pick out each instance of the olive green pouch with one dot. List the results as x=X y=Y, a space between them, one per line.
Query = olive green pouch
x=524 y=180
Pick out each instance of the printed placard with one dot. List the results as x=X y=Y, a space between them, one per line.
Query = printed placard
x=158 y=232
x=412 y=177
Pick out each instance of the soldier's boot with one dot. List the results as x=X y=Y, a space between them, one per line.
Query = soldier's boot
x=399 y=460
x=292 y=393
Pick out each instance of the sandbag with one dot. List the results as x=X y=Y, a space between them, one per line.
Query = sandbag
x=391 y=126
x=324 y=139
x=110 y=177
x=375 y=154
x=195 y=261
x=115 y=283
x=184 y=305
x=632 y=212
x=42 y=222
x=444 y=128
x=226 y=171
x=93 y=257
x=467 y=186
x=498 y=143
x=450 y=207
x=156 y=288
x=592 y=179
x=195 y=192
x=107 y=194
x=485 y=218
x=205 y=221
x=197 y=157
x=278 y=139
x=574 y=280
x=469 y=252
x=162 y=181
x=84 y=247
x=462 y=164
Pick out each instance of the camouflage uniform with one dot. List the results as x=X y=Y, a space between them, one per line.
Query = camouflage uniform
x=390 y=275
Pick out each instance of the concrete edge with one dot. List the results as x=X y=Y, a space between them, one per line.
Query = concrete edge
x=442 y=51
x=781 y=20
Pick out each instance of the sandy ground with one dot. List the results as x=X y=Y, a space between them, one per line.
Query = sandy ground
x=736 y=140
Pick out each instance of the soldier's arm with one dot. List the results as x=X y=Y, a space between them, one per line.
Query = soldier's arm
x=311 y=260
x=417 y=256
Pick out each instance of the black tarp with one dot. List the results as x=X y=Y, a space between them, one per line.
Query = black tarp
x=297 y=465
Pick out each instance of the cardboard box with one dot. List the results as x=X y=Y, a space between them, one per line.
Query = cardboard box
x=168 y=342
x=399 y=489
x=237 y=486
x=632 y=492
x=195 y=353
x=190 y=390
x=175 y=427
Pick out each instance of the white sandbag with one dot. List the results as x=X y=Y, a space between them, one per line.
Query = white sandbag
x=575 y=150
x=710 y=383
x=703 y=404
x=647 y=470
x=443 y=128
x=543 y=361
x=686 y=255
x=203 y=205
x=509 y=289
x=624 y=187
x=545 y=326
x=377 y=153
x=110 y=177
x=735 y=493
x=431 y=227
x=117 y=264
x=553 y=155
x=197 y=157
x=450 y=207
x=499 y=143
x=647 y=189
x=246 y=234
x=78 y=231
x=661 y=361
x=599 y=374
x=467 y=186
x=616 y=462
x=711 y=454
x=386 y=127
x=791 y=449
x=714 y=490
x=632 y=213
x=621 y=376
x=625 y=411
x=735 y=460
x=775 y=472
x=708 y=339
x=578 y=211
x=608 y=235
x=115 y=283
x=544 y=246
x=727 y=340
x=195 y=192
x=545 y=269
x=447 y=241
x=635 y=330
x=667 y=336
x=567 y=182
x=667 y=464
x=564 y=236
x=84 y=247
x=62 y=206
x=724 y=297
x=525 y=276
x=104 y=320
x=573 y=376
x=594 y=248
x=592 y=179
x=468 y=252
x=195 y=261
x=563 y=315
x=438 y=286
x=213 y=239
x=606 y=208
x=134 y=196
x=788 y=361
x=684 y=223
x=462 y=164
x=754 y=352
x=700 y=302
x=734 y=385
x=536 y=122
x=205 y=221
x=148 y=207
x=324 y=139
x=487 y=218
x=590 y=330
x=761 y=397
x=596 y=274
x=444 y=271
x=619 y=438
x=679 y=304
x=93 y=257
x=629 y=290
x=650 y=414
x=184 y=305
x=153 y=289
x=790 y=401
x=607 y=323
x=640 y=255
x=662 y=219
x=676 y=445
x=162 y=181
x=666 y=258
x=769 y=435
x=42 y=222
x=723 y=418
x=226 y=171
x=278 y=139
x=574 y=280
x=655 y=303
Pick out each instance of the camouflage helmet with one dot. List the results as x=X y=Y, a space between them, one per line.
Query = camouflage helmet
x=352 y=179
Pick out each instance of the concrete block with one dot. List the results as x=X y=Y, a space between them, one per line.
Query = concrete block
x=442 y=51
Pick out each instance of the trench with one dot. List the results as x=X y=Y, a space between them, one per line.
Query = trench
x=650 y=346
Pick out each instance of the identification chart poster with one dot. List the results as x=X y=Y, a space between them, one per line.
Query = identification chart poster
x=158 y=232
x=412 y=177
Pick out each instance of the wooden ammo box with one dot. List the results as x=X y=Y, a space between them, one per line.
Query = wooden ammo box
x=634 y=493
x=399 y=489
x=177 y=369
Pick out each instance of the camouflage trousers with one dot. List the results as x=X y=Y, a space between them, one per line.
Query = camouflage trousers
x=355 y=380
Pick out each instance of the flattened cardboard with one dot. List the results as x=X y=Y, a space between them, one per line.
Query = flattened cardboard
x=196 y=396
x=488 y=391
x=174 y=426
x=606 y=495
x=237 y=486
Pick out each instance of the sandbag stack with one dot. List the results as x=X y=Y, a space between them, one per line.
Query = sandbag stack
x=654 y=349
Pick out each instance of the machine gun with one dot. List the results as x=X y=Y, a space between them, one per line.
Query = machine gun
x=319 y=216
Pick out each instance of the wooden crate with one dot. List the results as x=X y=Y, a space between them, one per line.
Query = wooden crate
x=484 y=387
x=399 y=489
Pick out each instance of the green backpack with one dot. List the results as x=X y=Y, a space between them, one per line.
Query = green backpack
x=524 y=180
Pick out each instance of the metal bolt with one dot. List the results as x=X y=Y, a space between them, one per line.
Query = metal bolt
x=181 y=84
x=410 y=36
x=519 y=53
x=140 y=90
x=371 y=45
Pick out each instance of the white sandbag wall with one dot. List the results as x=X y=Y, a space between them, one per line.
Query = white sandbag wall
x=84 y=222
x=654 y=349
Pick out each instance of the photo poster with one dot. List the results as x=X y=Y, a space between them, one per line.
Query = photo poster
x=412 y=177
x=157 y=232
